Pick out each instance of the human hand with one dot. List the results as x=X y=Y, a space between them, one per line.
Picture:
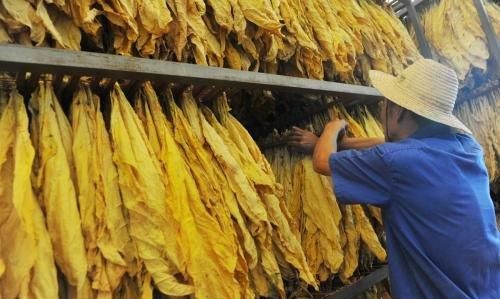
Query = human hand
x=337 y=129
x=303 y=140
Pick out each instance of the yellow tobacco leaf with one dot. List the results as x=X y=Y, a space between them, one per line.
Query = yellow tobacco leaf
x=144 y=194
x=53 y=173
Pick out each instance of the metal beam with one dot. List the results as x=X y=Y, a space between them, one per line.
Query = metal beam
x=425 y=50
x=491 y=37
x=404 y=11
x=15 y=58
x=360 y=286
x=398 y=6
x=479 y=91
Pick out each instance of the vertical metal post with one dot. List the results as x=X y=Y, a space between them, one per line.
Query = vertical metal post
x=425 y=50
x=491 y=38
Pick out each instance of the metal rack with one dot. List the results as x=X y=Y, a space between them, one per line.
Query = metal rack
x=358 y=287
x=30 y=64
x=210 y=82
x=486 y=88
x=405 y=8
x=21 y=59
x=399 y=6
x=493 y=43
x=15 y=58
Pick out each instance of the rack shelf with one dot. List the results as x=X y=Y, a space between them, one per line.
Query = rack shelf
x=358 y=287
x=15 y=58
x=479 y=91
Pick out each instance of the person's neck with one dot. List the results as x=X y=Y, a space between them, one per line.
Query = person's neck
x=405 y=130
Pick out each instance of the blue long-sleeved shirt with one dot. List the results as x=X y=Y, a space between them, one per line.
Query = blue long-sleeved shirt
x=439 y=218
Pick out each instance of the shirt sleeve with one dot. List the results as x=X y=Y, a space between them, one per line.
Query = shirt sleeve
x=361 y=177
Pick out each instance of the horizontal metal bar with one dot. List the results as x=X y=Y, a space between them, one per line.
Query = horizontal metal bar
x=360 y=286
x=398 y=6
x=16 y=58
x=478 y=91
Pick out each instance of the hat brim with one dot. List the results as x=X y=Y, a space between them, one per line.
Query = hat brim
x=389 y=87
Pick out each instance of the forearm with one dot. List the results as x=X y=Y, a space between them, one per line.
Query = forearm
x=326 y=145
x=359 y=143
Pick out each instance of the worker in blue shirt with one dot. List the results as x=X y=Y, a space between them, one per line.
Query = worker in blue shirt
x=430 y=180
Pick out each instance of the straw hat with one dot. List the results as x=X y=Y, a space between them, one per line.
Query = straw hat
x=426 y=88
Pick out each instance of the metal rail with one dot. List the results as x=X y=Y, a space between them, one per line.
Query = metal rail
x=360 y=286
x=423 y=45
x=403 y=11
x=15 y=58
x=480 y=91
x=493 y=44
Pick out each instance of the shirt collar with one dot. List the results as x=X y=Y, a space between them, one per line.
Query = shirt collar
x=430 y=130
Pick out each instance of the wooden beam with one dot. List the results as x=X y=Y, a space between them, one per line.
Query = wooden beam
x=491 y=37
x=16 y=58
x=360 y=286
x=424 y=47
